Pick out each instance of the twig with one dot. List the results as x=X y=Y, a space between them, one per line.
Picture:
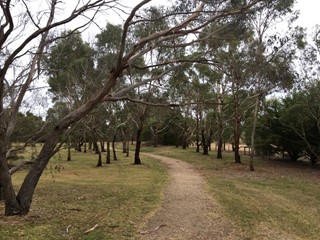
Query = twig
x=91 y=229
x=153 y=230
x=67 y=230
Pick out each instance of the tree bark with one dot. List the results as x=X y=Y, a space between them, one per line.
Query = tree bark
x=254 y=124
x=197 y=134
x=124 y=146
x=236 y=120
x=102 y=146
x=137 y=159
x=69 y=148
x=25 y=194
x=128 y=145
x=114 y=148
x=108 y=157
x=219 y=150
x=204 y=143
x=99 y=164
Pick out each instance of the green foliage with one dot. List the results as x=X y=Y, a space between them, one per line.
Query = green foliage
x=69 y=66
x=27 y=125
x=293 y=124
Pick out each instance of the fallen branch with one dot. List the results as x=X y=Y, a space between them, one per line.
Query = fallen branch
x=91 y=229
x=152 y=230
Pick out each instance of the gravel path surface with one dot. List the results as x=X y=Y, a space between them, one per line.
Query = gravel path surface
x=187 y=210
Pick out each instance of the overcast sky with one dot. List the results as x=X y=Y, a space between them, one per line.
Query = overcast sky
x=309 y=13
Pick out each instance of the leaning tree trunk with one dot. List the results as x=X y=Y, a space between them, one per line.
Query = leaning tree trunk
x=137 y=159
x=25 y=194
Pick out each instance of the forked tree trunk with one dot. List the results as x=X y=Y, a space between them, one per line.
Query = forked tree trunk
x=102 y=146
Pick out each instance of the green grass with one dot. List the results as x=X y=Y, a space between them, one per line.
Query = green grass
x=277 y=201
x=75 y=196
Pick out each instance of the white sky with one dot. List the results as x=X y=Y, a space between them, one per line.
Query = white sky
x=309 y=13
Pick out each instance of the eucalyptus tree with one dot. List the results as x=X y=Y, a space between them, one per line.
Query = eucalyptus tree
x=272 y=55
x=33 y=42
x=25 y=31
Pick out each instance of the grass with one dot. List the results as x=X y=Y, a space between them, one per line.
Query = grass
x=280 y=200
x=74 y=196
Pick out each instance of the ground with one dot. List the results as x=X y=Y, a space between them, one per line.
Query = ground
x=187 y=210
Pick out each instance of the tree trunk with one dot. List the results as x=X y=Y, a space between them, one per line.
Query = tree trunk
x=219 y=152
x=1 y=192
x=128 y=144
x=84 y=142
x=102 y=146
x=108 y=153
x=11 y=204
x=114 y=148
x=99 y=164
x=236 y=148
x=236 y=124
x=69 y=148
x=124 y=146
x=25 y=194
x=254 y=124
x=197 y=134
x=204 y=143
x=137 y=159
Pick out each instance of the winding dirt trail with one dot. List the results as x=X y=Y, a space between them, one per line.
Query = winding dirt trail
x=187 y=211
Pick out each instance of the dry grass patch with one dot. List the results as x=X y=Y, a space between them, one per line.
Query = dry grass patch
x=75 y=196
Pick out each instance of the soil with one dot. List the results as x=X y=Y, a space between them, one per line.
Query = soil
x=187 y=210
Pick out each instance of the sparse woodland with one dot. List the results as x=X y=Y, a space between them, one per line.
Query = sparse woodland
x=188 y=73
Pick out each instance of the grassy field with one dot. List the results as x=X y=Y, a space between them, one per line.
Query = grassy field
x=280 y=200
x=75 y=196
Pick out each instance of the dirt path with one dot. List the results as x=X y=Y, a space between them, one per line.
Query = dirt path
x=187 y=211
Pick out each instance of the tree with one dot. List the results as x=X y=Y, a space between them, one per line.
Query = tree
x=187 y=23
